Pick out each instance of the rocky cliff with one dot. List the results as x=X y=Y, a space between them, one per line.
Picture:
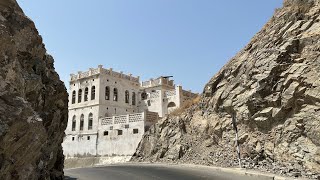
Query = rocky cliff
x=33 y=101
x=272 y=87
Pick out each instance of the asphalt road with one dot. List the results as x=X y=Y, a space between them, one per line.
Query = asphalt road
x=150 y=172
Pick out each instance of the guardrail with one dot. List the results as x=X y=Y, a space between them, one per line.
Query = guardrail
x=95 y=71
x=124 y=119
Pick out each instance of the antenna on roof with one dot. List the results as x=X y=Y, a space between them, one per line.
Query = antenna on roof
x=166 y=77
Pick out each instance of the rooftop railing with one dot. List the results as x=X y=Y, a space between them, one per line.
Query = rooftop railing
x=157 y=82
x=92 y=72
x=123 y=119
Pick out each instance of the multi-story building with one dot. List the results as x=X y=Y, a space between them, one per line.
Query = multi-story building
x=110 y=111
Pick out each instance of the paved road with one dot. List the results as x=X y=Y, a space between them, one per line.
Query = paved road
x=151 y=172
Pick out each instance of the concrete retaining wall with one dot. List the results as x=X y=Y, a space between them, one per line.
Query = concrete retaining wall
x=94 y=161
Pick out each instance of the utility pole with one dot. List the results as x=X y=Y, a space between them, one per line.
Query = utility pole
x=234 y=123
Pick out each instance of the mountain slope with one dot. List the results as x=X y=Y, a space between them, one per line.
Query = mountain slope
x=272 y=87
x=33 y=101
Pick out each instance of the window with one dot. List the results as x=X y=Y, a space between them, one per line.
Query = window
x=127 y=96
x=86 y=92
x=93 y=93
x=74 y=123
x=115 y=94
x=106 y=133
x=72 y=138
x=144 y=96
x=120 y=132
x=107 y=93
x=149 y=103
x=79 y=95
x=90 y=121
x=135 y=131
x=73 y=97
x=81 y=122
x=133 y=98
x=88 y=138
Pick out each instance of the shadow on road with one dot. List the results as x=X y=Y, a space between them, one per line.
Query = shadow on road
x=69 y=178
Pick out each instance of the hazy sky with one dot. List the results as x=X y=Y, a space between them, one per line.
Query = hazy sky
x=188 y=39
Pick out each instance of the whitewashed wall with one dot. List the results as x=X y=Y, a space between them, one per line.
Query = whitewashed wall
x=120 y=145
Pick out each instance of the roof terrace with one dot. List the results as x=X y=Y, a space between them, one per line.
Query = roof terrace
x=101 y=70
x=161 y=81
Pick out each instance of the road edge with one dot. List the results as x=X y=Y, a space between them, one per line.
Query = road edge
x=241 y=171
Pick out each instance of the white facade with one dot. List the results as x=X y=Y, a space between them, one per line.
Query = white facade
x=109 y=111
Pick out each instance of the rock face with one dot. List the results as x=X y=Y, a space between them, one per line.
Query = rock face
x=272 y=87
x=33 y=101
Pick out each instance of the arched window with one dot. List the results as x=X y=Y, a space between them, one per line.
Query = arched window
x=115 y=94
x=171 y=107
x=107 y=93
x=86 y=92
x=144 y=96
x=127 y=96
x=93 y=93
x=79 y=95
x=90 y=121
x=73 y=97
x=81 y=122
x=74 y=123
x=133 y=98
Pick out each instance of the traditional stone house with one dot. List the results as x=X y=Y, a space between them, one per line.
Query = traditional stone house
x=110 y=111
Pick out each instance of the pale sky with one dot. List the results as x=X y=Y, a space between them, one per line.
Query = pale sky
x=188 y=39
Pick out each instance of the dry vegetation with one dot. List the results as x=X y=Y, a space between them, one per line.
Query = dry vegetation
x=187 y=104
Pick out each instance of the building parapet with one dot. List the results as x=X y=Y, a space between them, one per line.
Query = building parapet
x=121 y=75
x=157 y=82
x=99 y=70
x=124 y=119
x=86 y=74
x=130 y=118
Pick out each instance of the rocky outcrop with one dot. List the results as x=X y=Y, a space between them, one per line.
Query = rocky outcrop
x=272 y=87
x=33 y=101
